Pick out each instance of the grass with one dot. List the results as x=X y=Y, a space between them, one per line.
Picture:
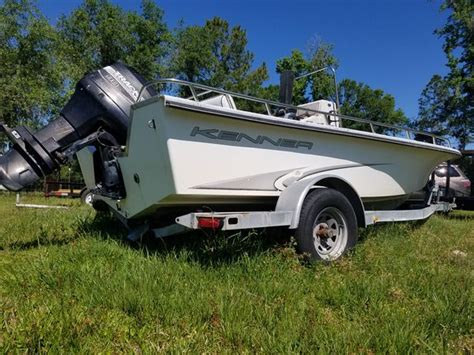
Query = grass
x=69 y=284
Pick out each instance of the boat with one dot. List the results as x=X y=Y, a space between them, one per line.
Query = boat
x=147 y=155
x=214 y=153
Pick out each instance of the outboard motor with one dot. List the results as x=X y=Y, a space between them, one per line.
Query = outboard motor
x=101 y=101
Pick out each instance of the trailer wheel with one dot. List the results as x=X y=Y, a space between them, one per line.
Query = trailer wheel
x=327 y=227
x=87 y=197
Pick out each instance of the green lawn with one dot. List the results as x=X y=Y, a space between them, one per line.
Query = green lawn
x=68 y=284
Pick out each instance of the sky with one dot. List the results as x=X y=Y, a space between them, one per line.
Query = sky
x=387 y=44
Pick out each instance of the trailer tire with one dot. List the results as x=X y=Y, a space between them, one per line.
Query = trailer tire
x=87 y=197
x=328 y=225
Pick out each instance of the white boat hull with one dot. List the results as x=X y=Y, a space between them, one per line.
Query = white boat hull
x=181 y=156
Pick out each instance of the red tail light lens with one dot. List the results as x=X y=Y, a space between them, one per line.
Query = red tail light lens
x=210 y=223
x=466 y=183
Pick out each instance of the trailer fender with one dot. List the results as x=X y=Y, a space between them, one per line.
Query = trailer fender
x=292 y=198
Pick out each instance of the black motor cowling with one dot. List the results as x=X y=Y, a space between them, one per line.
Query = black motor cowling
x=102 y=99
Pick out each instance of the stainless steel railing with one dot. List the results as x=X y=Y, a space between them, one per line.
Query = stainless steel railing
x=194 y=88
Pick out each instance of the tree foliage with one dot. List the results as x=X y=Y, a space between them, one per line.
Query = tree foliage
x=432 y=110
x=99 y=33
x=216 y=54
x=30 y=77
x=359 y=100
x=321 y=56
x=446 y=104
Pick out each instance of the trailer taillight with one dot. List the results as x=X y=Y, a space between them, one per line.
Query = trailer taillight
x=210 y=223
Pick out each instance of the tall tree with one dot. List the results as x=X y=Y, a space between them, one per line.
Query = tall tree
x=447 y=103
x=99 y=33
x=30 y=77
x=216 y=54
x=432 y=110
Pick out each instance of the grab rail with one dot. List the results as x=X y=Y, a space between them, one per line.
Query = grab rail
x=409 y=132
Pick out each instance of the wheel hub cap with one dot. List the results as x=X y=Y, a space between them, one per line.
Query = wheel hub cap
x=330 y=233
